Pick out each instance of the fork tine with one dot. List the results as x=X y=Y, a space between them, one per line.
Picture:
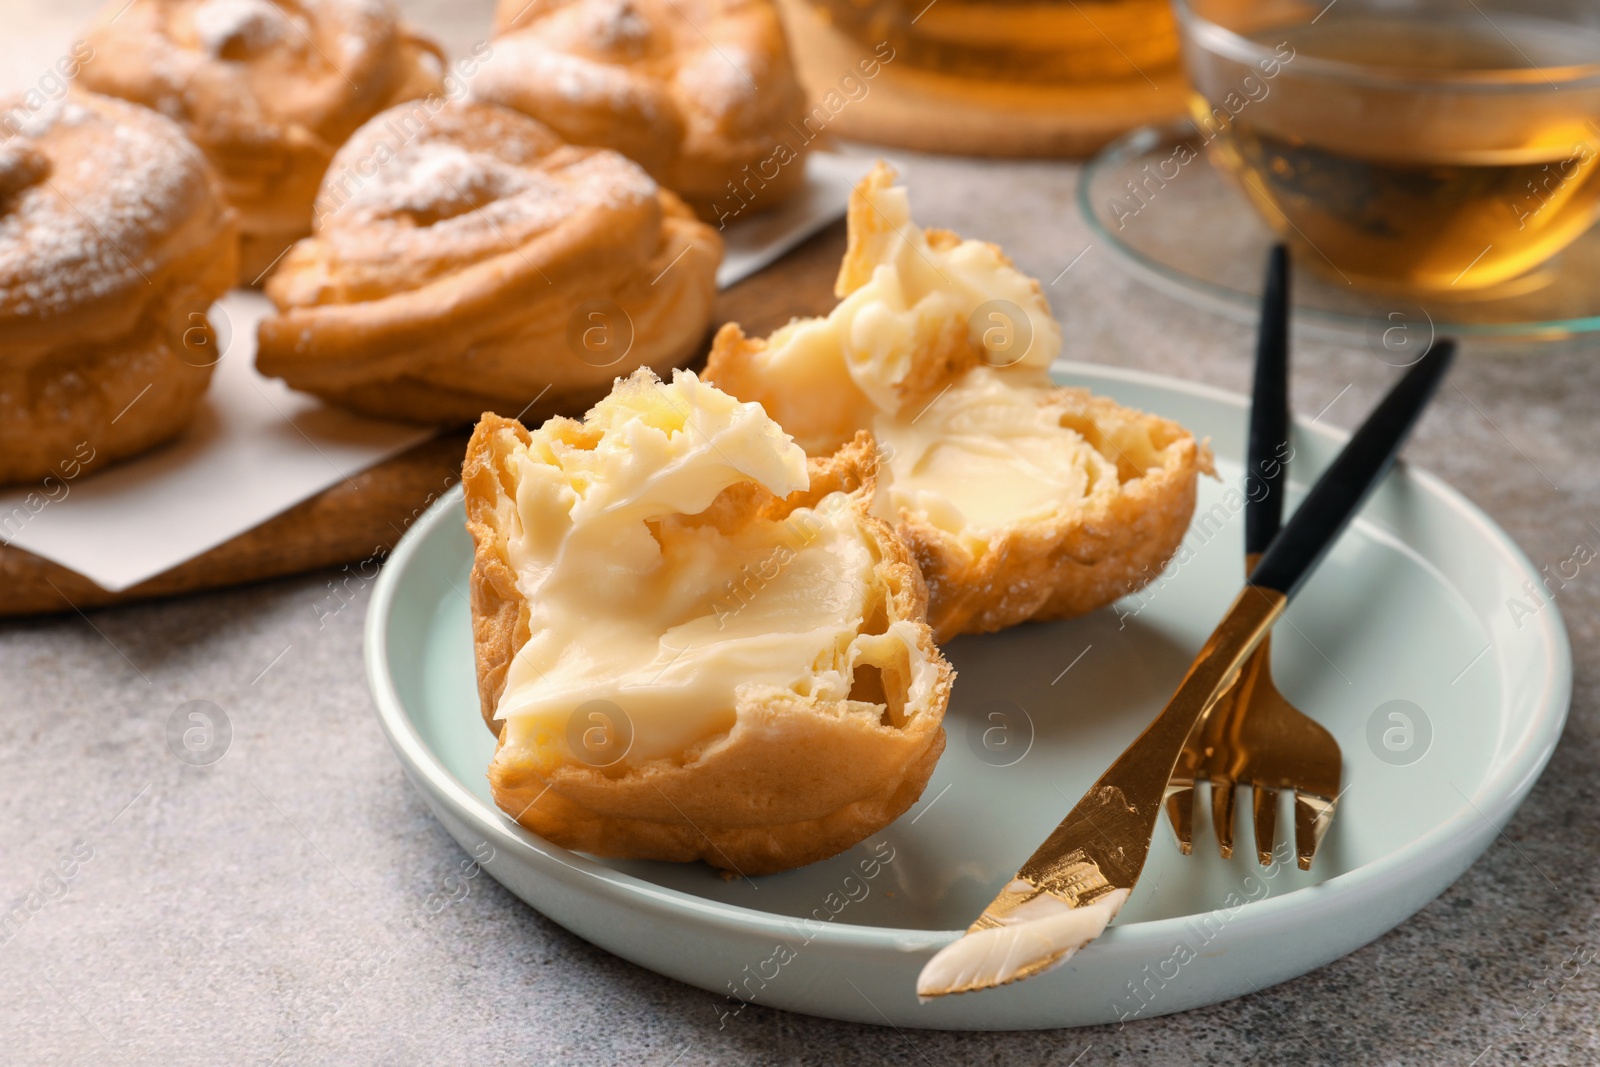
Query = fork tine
x=1179 y=803
x=1264 y=805
x=1312 y=816
x=1222 y=815
x=1179 y=797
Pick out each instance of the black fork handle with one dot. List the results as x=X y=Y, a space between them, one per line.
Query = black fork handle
x=1346 y=484
x=1267 y=453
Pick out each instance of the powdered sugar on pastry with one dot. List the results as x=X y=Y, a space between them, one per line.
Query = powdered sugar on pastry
x=122 y=177
x=267 y=88
x=439 y=180
x=113 y=244
x=249 y=25
x=615 y=26
x=469 y=262
x=63 y=111
x=579 y=81
x=720 y=81
x=452 y=199
x=702 y=93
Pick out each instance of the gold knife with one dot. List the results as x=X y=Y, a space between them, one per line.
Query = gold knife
x=1075 y=883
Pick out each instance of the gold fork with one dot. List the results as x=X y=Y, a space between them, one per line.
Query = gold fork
x=1253 y=736
x=1269 y=744
x=1076 y=882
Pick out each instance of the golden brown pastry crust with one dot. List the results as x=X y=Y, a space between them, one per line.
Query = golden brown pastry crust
x=701 y=93
x=114 y=242
x=268 y=89
x=470 y=268
x=793 y=782
x=1077 y=561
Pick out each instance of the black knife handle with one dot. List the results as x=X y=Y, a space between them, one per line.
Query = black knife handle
x=1345 y=485
x=1267 y=453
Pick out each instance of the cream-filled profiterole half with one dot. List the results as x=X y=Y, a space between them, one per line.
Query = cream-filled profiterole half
x=692 y=642
x=1021 y=499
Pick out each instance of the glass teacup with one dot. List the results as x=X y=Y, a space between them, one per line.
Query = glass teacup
x=1432 y=145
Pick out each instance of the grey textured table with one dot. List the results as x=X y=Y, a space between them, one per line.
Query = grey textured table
x=294 y=902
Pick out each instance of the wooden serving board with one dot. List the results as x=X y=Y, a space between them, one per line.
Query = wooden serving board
x=930 y=112
x=362 y=517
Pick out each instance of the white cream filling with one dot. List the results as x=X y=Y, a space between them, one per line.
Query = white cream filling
x=828 y=377
x=910 y=272
x=985 y=453
x=669 y=620
x=1044 y=930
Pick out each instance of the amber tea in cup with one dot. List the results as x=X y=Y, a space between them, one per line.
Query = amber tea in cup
x=1430 y=145
x=1033 y=41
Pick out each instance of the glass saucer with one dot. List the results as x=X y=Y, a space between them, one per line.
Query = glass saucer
x=1186 y=229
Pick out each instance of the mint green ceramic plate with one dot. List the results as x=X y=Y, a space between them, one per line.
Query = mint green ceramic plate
x=1446 y=702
